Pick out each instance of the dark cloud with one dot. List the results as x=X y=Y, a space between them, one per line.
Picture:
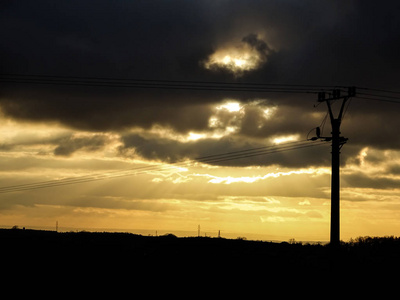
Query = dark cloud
x=157 y=148
x=372 y=128
x=394 y=170
x=257 y=43
x=321 y=41
x=360 y=180
x=284 y=120
x=69 y=145
x=305 y=42
x=107 y=111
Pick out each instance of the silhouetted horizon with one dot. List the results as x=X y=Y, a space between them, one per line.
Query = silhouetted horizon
x=29 y=246
x=178 y=233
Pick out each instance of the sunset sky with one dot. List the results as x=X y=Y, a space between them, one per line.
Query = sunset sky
x=139 y=148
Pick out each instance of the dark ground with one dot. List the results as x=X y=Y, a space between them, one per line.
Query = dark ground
x=30 y=246
x=116 y=265
x=117 y=253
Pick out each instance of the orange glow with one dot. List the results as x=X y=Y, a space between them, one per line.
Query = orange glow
x=271 y=202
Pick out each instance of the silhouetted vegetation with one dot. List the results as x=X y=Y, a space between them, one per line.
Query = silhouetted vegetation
x=130 y=250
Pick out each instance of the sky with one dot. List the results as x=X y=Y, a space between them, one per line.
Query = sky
x=147 y=141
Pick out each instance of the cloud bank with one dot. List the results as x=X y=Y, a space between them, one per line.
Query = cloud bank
x=281 y=42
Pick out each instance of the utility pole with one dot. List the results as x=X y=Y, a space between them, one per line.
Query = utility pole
x=337 y=144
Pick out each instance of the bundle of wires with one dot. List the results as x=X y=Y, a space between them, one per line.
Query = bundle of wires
x=213 y=159
x=159 y=84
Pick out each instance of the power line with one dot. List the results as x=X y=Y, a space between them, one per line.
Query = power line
x=140 y=83
x=158 y=84
x=113 y=79
x=379 y=90
x=380 y=96
x=210 y=159
x=136 y=171
x=256 y=152
x=170 y=87
x=379 y=99
x=246 y=150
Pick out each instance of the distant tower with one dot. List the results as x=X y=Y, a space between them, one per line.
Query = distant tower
x=198 y=230
x=219 y=233
x=56 y=226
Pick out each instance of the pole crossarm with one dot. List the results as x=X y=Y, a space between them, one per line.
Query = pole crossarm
x=337 y=94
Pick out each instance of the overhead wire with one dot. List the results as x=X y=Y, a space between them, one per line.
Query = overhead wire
x=115 y=79
x=379 y=98
x=210 y=159
x=237 y=86
x=128 y=172
x=379 y=90
x=378 y=95
x=159 y=84
x=255 y=152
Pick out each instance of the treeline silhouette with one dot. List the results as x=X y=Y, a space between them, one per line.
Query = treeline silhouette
x=102 y=249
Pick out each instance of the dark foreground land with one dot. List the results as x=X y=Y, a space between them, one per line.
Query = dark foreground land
x=84 y=251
